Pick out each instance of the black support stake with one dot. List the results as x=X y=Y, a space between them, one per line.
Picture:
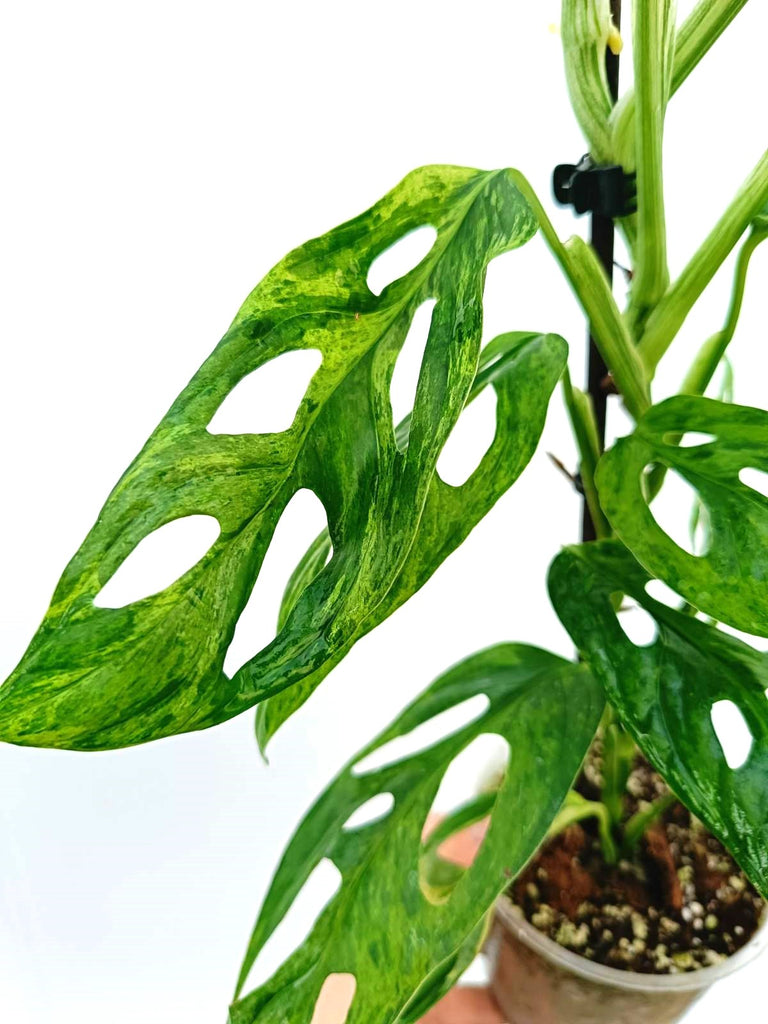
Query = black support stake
x=602 y=239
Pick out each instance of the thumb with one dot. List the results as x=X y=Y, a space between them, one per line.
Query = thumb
x=465 y=1006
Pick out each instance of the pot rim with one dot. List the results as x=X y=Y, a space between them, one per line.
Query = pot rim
x=600 y=973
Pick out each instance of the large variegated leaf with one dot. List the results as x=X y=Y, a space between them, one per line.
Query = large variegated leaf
x=730 y=580
x=381 y=926
x=523 y=369
x=98 y=677
x=664 y=692
x=440 y=982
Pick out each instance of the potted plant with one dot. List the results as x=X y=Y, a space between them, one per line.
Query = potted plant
x=405 y=921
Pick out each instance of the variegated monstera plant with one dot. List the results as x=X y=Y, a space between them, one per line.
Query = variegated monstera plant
x=95 y=678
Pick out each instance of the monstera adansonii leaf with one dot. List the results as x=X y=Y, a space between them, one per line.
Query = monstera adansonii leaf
x=96 y=677
x=522 y=368
x=729 y=581
x=381 y=926
x=664 y=693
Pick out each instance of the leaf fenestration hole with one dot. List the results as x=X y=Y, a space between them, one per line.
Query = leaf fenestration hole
x=426 y=735
x=335 y=999
x=314 y=896
x=752 y=639
x=469 y=440
x=732 y=732
x=401 y=257
x=159 y=560
x=405 y=378
x=690 y=439
x=267 y=399
x=373 y=810
x=638 y=625
x=486 y=757
x=664 y=594
x=441 y=868
x=755 y=479
x=302 y=520
x=673 y=510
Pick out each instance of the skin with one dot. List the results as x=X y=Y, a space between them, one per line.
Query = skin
x=461 y=1006
x=465 y=1006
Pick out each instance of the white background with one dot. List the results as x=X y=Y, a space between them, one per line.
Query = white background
x=159 y=158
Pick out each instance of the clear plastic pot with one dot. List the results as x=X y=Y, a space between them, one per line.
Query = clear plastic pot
x=536 y=981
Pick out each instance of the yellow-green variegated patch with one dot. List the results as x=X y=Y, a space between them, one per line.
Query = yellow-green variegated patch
x=99 y=677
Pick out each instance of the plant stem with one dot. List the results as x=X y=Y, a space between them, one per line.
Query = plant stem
x=585 y=34
x=577 y=808
x=591 y=287
x=639 y=823
x=668 y=316
x=700 y=30
x=602 y=237
x=585 y=430
x=696 y=36
x=592 y=408
x=653 y=35
x=713 y=350
x=608 y=328
x=618 y=757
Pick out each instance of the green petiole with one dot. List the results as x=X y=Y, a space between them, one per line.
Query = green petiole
x=582 y=416
x=670 y=313
x=713 y=350
x=577 y=808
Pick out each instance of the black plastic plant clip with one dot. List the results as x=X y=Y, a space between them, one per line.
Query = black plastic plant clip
x=594 y=188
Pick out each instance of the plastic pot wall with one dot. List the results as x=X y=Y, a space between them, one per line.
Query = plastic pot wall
x=535 y=981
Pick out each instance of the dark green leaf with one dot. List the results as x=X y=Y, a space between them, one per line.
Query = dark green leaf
x=100 y=677
x=664 y=693
x=380 y=926
x=523 y=369
x=730 y=580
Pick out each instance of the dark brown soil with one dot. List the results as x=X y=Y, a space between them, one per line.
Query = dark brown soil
x=681 y=903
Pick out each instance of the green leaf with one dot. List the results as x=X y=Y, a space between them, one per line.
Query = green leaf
x=664 y=693
x=730 y=580
x=523 y=369
x=380 y=926
x=445 y=977
x=95 y=677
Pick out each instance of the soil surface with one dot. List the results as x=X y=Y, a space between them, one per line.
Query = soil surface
x=681 y=903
